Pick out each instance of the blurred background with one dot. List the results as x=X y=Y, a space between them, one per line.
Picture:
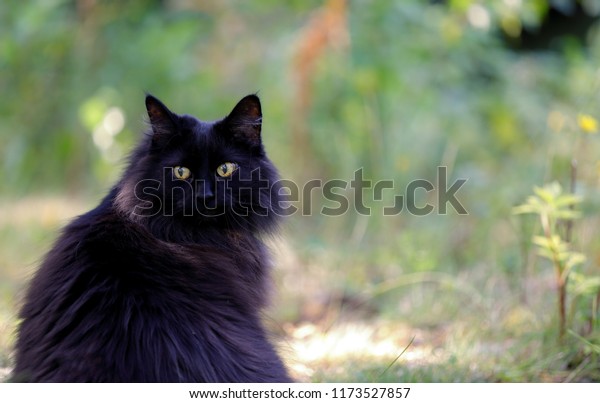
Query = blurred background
x=503 y=93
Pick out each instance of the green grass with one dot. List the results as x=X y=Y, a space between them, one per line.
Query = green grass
x=473 y=318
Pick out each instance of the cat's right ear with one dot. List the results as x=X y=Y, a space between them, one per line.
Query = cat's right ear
x=162 y=120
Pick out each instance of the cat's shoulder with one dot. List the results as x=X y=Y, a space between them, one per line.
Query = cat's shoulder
x=104 y=225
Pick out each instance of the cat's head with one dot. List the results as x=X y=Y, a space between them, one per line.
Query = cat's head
x=188 y=172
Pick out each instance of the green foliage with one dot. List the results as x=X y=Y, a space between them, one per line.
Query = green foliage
x=551 y=205
x=553 y=208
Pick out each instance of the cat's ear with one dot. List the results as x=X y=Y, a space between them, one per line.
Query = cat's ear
x=245 y=120
x=162 y=120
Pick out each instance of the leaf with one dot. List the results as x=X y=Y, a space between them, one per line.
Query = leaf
x=523 y=209
x=586 y=285
x=568 y=200
x=532 y=205
x=567 y=214
x=553 y=243
x=594 y=347
x=547 y=254
x=571 y=260
x=543 y=242
x=576 y=258
x=548 y=192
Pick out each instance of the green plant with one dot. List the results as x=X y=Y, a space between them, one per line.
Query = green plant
x=552 y=205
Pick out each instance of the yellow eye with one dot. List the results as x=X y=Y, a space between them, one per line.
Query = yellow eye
x=181 y=172
x=227 y=169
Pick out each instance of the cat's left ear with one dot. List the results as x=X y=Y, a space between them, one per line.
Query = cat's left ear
x=245 y=120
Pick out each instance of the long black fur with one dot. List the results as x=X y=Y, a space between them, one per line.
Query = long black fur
x=143 y=289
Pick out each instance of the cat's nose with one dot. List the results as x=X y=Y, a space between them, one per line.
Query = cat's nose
x=204 y=190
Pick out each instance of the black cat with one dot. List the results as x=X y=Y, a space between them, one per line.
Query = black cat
x=165 y=280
